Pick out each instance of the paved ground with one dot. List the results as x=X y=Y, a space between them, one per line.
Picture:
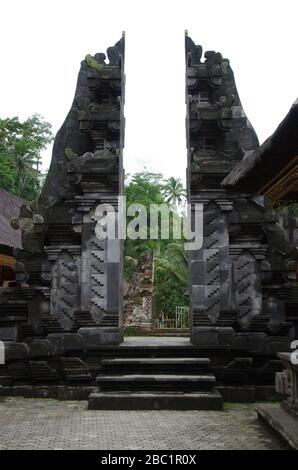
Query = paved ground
x=51 y=424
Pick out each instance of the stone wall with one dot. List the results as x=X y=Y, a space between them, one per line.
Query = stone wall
x=137 y=303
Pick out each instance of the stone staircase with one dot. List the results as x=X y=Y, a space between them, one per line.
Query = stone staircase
x=177 y=383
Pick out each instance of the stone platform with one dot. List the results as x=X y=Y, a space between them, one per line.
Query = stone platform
x=281 y=421
x=62 y=367
x=155 y=401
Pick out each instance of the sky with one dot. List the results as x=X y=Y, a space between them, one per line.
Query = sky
x=43 y=43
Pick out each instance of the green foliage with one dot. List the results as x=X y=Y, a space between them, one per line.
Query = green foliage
x=169 y=257
x=20 y=146
x=171 y=278
x=287 y=208
x=7 y=173
x=144 y=188
x=91 y=62
x=169 y=292
x=173 y=191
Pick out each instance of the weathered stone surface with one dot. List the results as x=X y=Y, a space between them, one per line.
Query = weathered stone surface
x=287 y=383
x=155 y=401
x=42 y=372
x=68 y=267
x=137 y=295
x=204 y=335
x=66 y=342
x=241 y=280
x=16 y=351
x=96 y=337
x=75 y=393
x=241 y=277
x=41 y=348
x=75 y=369
x=9 y=333
x=281 y=421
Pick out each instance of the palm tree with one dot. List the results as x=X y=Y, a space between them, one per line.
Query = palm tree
x=174 y=191
x=170 y=269
x=174 y=261
x=24 y=165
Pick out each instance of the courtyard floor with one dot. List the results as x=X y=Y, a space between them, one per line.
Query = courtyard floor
x=51 y=424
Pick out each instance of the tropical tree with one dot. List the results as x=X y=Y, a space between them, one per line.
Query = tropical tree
x=20 y=147
x=170 y=263
x=171 y=278
x=174 y=191
x=143 y=188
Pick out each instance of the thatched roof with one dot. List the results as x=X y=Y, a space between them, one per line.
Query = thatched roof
x=9 y=208
x=261 y=166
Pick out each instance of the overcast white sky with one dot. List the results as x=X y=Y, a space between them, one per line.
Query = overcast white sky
x=43 y=42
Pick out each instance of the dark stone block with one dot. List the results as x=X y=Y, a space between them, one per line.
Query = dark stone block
x=8 y=333
x=237 y=394
x=206 y=336
x=257 y=341
x=75 y=369
x=6 y=391
x=170 y=382
x=25 y=391
x=240 y=363
x=42 y=372
x=240 y=342
x=197 y=297
x=44 y=391
x=237 y=371
x=276 y=344
x=66 y=342
x=155 y=401
x=5 y=380
x=266 y=393
x=29 y=391
x=40 y=348
x=16 y=351
x=197 y=271
x=95 y=337
x=20 y=371
x=225 y=335
x=75 y=393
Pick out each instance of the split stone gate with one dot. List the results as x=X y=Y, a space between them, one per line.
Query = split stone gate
x=69 y=295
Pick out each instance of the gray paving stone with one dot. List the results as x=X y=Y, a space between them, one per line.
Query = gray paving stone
x=52 y=424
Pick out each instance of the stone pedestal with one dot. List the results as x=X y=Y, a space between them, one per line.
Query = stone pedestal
x=284 y=418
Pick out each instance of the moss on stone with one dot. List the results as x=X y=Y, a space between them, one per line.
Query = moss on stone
x=91 y=62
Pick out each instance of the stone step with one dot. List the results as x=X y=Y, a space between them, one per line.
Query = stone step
x=42 y=372
x=168 y=365
x=164 y=382
x=205 y=361
x=155 y=401
x=5 y=380
x=75 y=369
